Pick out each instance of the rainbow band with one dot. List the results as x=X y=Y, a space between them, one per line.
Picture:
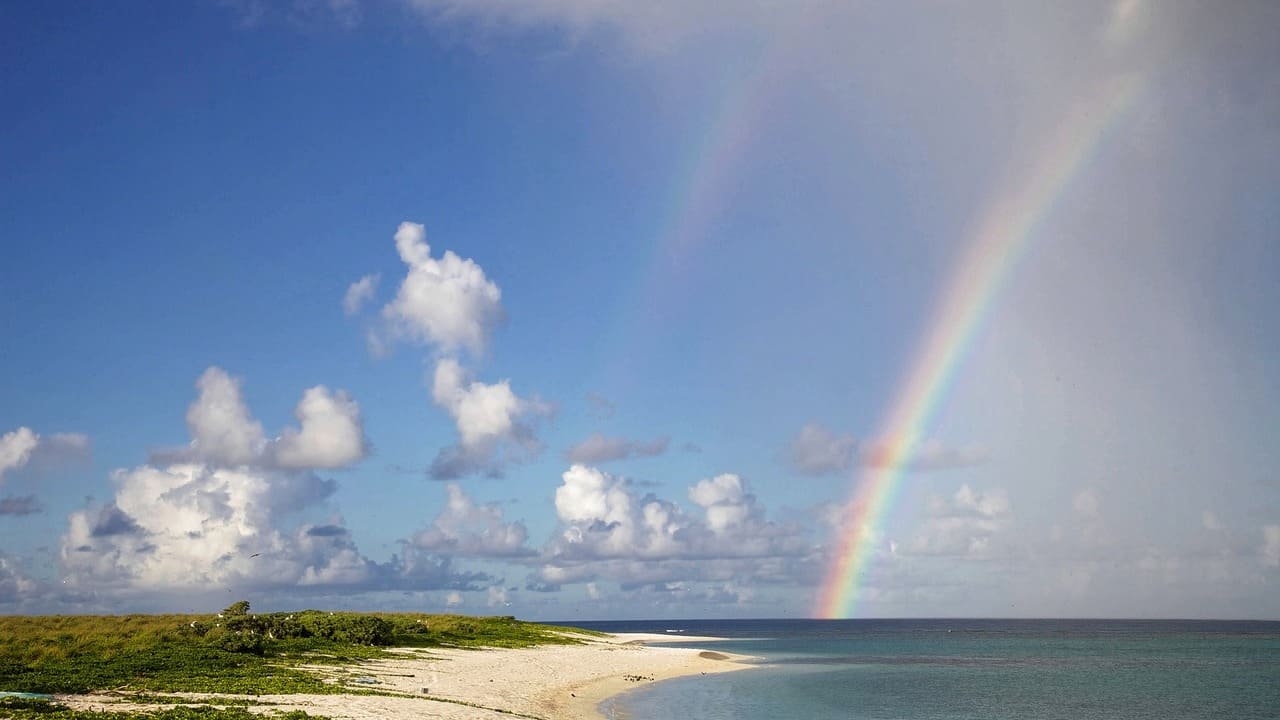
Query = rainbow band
x=1002 y=237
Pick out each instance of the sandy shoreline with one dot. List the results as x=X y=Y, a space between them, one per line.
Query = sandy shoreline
x=664 y=663
x=554 y=682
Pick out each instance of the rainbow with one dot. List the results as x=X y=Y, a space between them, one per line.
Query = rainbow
x=701 y=188
x=1002 y=236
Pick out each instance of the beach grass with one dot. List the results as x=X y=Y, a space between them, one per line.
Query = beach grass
x=233 y=652
x=21 y=709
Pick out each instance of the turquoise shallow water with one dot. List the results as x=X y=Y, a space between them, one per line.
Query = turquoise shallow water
x=979 y=669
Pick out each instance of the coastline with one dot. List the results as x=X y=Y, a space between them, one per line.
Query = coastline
x=560 y=682
x=666 y=663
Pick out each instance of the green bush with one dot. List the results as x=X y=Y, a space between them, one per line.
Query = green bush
x=240 y=640
x=237 y=608
x=346 y=628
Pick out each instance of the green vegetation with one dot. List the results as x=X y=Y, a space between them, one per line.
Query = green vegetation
x=234 y=652
x=18 y=709
x=152 y=699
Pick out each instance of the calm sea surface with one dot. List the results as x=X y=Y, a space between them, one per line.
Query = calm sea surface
x=987 y=669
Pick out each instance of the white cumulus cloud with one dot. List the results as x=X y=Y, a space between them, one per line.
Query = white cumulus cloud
x=962 y=525
x=464 y=528
x=330 y=433
x=608 y=531
x=495 y=426
x=446 y=302
x=188 y=527
x=191 y=525
x=222 y=429
x=16 y=448
x=21 y=447
x=224 y=432
x=588 y=494
x=229 y=510
x=724 y=501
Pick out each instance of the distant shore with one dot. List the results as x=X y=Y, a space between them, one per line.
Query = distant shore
x=549 y=682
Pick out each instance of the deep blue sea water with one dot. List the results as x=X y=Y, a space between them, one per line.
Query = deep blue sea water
x=971 y=669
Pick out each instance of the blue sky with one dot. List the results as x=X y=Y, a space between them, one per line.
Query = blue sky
x=710 y=238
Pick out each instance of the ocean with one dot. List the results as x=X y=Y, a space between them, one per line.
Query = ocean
x=970 y=669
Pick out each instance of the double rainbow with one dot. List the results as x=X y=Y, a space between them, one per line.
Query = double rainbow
x=1002 y=235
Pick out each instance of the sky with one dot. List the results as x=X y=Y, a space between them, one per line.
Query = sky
x=587 y=309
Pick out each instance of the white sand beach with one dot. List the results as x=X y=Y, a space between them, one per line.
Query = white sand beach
x=554 y=682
